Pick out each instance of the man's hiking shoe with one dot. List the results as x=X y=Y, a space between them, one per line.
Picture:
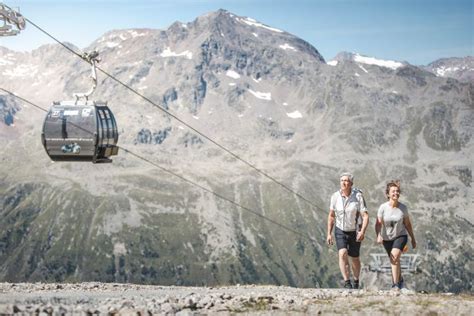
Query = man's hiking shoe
x=348 y=284
x=356 y=284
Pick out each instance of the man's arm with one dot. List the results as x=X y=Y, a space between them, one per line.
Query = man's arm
x=331 y=220
x=378 y=227
x=365 y=224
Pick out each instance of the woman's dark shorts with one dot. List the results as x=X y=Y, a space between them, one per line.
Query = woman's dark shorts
x=398 y=243
x=348 y=241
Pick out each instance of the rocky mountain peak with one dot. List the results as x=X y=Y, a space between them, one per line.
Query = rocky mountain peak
x=460 y=68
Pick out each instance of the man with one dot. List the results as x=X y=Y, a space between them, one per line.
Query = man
x=347 y=206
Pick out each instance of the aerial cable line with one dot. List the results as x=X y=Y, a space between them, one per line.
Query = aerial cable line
x=306 y=236
x=180 y=120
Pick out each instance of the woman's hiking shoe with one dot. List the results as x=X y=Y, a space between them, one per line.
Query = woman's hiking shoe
x=401 y=284
x=348 y=284
x=395 y=288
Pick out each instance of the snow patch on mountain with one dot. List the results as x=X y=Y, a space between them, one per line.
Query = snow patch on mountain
x=252 y=22
x=111 y=44
x=137 y=34
x=445 y=71
x=378 y=62
x=232 y=74
x=294 y=115
x=362 y=67
x=261 y=95
x=287 y=46
x=168 y=53
x=24 y=70
x=7 y=60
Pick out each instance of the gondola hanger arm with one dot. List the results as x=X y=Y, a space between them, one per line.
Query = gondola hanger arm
x=92 y=58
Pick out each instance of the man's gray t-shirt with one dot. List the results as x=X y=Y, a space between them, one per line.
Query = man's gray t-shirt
x=392 y=219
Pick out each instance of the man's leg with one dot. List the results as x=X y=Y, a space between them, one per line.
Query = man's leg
x=355 y=267
x=344 y=264
x=354 y=252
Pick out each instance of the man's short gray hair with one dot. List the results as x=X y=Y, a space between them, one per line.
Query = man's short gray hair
x=347 y=174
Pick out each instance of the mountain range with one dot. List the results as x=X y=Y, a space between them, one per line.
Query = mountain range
x=272 y=100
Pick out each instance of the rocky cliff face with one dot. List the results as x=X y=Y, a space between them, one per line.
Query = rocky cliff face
x=270 y=98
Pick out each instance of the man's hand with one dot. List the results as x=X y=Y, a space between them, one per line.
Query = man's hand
x=330 y=240
x=360 y=236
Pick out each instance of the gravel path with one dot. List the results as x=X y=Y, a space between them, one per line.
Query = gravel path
x=129 y=299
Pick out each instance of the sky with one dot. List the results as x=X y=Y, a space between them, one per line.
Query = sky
x=416 y=31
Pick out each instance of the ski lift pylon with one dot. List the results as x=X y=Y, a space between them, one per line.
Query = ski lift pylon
x=13 y=22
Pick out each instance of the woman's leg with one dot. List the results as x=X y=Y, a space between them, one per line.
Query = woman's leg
x=395 y=255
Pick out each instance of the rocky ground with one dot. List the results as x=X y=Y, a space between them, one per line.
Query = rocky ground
x=128 y=299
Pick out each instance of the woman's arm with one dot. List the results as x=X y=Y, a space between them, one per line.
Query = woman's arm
x=409 y=228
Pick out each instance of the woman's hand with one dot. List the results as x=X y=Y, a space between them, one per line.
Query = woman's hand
x=379 y=239
x=413 y=243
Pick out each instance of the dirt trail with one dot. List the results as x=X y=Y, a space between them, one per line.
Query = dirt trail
x=129 y=299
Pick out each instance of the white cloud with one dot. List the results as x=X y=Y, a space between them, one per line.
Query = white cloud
x=332 y=63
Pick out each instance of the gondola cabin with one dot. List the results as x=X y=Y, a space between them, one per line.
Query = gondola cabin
x=80 y=131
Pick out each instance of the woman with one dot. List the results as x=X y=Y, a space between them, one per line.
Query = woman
x=392 y=226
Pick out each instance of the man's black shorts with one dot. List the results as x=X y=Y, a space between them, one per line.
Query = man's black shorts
x=348 y=241
x=398 y=243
